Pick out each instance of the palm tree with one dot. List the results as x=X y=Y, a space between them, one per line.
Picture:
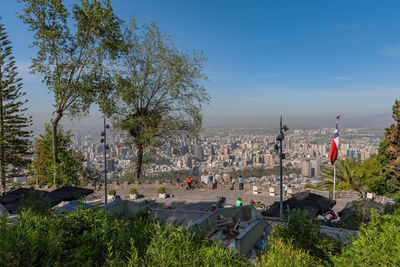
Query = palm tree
x=345 y=176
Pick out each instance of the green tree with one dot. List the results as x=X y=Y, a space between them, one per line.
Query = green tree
x=369 y=172
x=389 y=152
x=345 y=176
x=159 y=90
x=14 y=135
x=73 y=49
x=70 y=167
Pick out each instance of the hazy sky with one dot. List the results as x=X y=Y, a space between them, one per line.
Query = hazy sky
x=303 y=59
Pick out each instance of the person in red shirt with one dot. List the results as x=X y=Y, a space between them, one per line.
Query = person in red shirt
x=189 y=182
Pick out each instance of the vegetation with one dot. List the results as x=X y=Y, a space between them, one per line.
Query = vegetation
x=14 y=135
x=72 y=49
x=259 y=172
x=90 y=237
x=377 y=243
x=132 y=191
x=284 y=253
x=70 y=167
x=161 y=190
x=112 y=192
x=389 y=154
x=345 y=176
x=158 y=96
x=302 y=231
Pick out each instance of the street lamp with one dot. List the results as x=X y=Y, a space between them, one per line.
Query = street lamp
x=106 y=147
x=282 y=156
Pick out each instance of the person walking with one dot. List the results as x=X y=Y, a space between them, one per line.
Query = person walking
x=240 y=182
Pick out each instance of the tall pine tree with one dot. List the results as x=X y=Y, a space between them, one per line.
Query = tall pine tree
x=14 y=134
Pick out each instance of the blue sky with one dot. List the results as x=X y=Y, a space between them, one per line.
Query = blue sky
x=303 y=59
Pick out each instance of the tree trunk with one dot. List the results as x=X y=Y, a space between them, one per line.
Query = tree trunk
x=55 y=142
x=139 y=162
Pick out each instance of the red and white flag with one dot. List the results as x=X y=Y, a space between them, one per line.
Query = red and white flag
x=333 y=152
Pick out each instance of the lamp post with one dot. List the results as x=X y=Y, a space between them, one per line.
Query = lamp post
x=106 y=147
x=282 y=156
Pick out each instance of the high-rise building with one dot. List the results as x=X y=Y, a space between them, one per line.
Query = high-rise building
x=306 y=168
x=199 y=153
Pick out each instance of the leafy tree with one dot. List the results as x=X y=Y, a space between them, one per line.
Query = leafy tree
x=389 y=152
x=159 y=92
x=377 y=243
x=70 y=167
x=73 y=48
x=370 y=173
x=345 y=176
x=14 y=135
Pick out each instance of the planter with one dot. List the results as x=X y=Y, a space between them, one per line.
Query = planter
x=164 y=195
x=133 y=196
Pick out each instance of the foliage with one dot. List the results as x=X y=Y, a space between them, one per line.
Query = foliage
x=14 y=135
x=259 y=172
x=159 y=90
x=377 y=243
x=112 y=192
x=389 y=153
x=284 y=253
x=91 y=237
x=132 y=191
x=73 y=47
x=35 y=204
x=345 y=174
x=310 y=186
x=161 y=190
x=44 y=167
x=370 y=173
x=303 y=231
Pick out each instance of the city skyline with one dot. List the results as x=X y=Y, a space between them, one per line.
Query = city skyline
x=307 y=61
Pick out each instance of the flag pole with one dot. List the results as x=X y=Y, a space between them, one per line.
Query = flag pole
x=334 y=180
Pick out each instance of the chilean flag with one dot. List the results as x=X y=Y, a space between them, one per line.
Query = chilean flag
x=335 y=145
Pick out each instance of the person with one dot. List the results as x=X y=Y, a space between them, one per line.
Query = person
x=330 y=215
x=189 y=182
x=211 y=179
x=240 y=181
x=214 y=207
x=233 y=181
x=239 y=202
x=252 y=202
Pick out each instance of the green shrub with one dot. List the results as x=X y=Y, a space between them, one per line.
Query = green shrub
x=91 y=237
x=283 y=254
x=112 y=192
x=377 y=243
x=132 y=191
x=36 y=205
x=303 y=231
x=161 y=190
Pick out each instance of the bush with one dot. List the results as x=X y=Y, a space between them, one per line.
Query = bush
x=377 y=243
x=303 y=231
x=112 y=192
x=91 y=237
x=132 y=191
x=161 y=190
x=282 y=254
x=35 y=205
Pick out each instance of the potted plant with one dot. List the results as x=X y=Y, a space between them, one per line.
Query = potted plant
x=111 y=194
x=133 y=193
x=162 y=193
